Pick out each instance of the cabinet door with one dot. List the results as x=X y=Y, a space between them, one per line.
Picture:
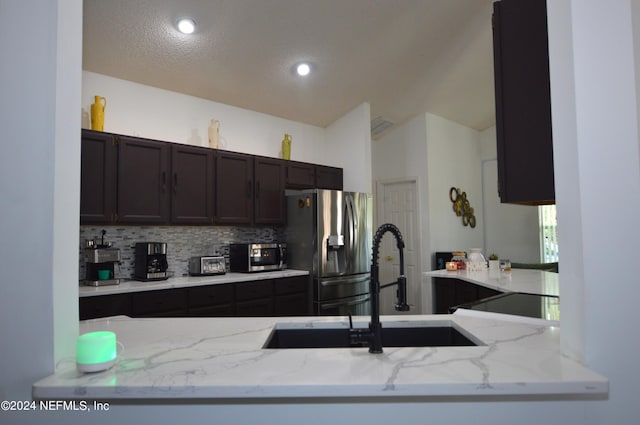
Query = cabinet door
x=104 y=306
x=465 y=292
x=97 y=177
x=192 y=185
x=328 y=177
x=143 y=181
x=444 y=295
x=211 y=300
x=254 y=290
x=292 y=296
x=300 y=175
x=234 y=188
x=291 y=285
x=161 y=303
x=291 y=305
x=262 y=307
x=269 y=199
x=523 y=102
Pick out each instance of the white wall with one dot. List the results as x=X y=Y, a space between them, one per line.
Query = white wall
x=350 y=136
x=139 y=110
x=439 y=154
x=39 y=185
x=453 y=161
x=596 y=161
x=461 y=157
x=511 y=231
x=402 y=154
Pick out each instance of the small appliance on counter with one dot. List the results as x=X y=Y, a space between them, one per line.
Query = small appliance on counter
x=150 y=261
x=101 y=265
x=207 y=266
x=255 y=257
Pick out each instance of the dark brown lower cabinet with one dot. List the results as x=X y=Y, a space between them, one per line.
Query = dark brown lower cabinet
x=211 y=301
x=292 y=296
x=162 y=303
x=448 y=293
x=271 y=297
x=105 y=306
x=254 y=298
x=255 y=308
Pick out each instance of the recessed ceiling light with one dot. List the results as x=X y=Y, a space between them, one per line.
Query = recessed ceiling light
x=186 y=25
x=303 y=69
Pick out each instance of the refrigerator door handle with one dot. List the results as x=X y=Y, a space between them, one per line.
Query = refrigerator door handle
x=349 y=218
x=340 y=281
x=361 y=300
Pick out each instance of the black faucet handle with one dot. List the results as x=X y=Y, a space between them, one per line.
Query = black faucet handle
x=401 y=294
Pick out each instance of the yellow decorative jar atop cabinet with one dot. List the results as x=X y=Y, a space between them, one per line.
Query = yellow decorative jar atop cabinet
x=97 y=113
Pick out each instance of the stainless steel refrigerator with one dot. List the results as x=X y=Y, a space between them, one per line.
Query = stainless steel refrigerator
x=329 y=234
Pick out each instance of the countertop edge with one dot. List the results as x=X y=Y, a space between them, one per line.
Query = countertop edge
x=584 y=389
x=131 y=286
x=535 y=282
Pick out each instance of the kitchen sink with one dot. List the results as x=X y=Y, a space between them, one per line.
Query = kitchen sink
x=440 y=335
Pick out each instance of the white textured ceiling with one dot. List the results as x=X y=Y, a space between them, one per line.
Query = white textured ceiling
x=404 y=57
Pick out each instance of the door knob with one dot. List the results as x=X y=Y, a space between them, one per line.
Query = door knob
x=389 y=258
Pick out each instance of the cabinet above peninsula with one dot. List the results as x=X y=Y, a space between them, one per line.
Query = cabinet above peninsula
x=523 y=102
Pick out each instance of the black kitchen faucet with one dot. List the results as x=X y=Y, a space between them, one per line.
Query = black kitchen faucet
x=373 y=336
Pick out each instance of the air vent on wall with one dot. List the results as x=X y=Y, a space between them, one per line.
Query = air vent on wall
x=379 y=125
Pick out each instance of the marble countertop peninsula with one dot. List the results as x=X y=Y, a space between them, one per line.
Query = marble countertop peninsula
x=183 y=282
x=517 y=280
x=223 y=359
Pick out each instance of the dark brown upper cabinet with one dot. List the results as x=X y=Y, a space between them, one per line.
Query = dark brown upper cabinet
x=300 y=175
x=249 y=190
x=98 y=166
x=192 y=184
x=234 y=188
x=144 y=181
x=523 y=102
x=269 y=199
x=131 y=180
x=329 y=177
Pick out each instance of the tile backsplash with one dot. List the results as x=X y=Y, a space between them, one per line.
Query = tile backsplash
x=183 y=242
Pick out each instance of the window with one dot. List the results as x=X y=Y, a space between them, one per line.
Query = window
x=548 y=233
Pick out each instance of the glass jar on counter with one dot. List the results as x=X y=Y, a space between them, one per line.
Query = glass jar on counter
x=460 y=258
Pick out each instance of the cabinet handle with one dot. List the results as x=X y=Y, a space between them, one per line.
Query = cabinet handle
x=175 y=183
x=258 y=190
x=164 y=181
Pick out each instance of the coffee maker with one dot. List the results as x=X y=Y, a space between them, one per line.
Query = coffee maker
x=150 y=261
x=100 y=265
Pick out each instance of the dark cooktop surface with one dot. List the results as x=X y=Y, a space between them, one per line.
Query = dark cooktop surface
x=545 y=307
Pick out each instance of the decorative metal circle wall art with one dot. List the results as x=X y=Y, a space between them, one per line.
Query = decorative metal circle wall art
x=461 y=206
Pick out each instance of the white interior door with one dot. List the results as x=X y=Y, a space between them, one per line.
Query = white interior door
x=397 y=204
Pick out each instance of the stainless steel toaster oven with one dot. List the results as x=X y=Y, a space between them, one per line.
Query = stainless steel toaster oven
x=206 y=266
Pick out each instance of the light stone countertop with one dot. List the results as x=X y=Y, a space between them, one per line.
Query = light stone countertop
x=184 y=282
x=222 y=359
x=517 y=280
